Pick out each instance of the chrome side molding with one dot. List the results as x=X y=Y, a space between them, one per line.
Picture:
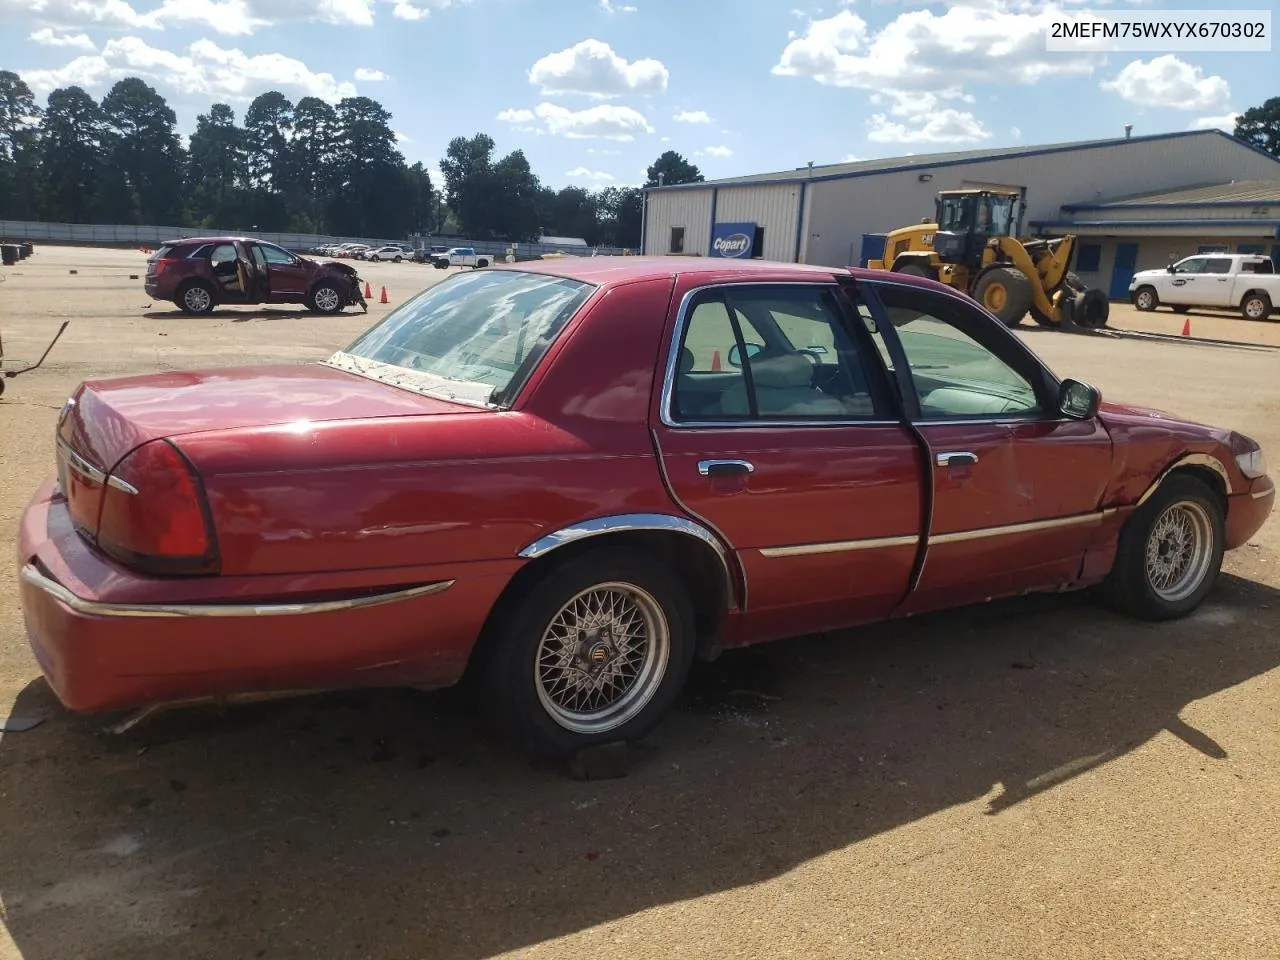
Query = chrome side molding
x=96 y=608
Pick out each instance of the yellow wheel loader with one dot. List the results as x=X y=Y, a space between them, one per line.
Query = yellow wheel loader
x=972 y=247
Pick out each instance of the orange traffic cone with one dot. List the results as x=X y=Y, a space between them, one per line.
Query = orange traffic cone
x=384 y=296
x=1186 y=327
x=368 y=291
x=715 y=362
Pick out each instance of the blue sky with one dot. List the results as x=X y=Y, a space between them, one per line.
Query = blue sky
x=594 y=90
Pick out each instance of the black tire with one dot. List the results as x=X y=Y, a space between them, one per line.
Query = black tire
x=196 y=298
x=397 y=259
x=509 y=682
x=1256 y=305
x=1095 y=309
x=1179 y=308
x=481 y=263
x=325 y=297
x=1010 y=305
x=439 y=265
x=918 y=270
x=1146 y=299
x=1128 y=587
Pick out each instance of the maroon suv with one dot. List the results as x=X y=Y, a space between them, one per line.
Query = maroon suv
x=200 y=273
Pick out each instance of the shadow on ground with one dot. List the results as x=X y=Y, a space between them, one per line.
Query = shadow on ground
x=380 y=824
x=244 y=316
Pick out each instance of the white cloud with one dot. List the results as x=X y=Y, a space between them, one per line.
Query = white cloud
x=582 y=173
x=76 y=13
x=516 y=116
x=603 y=152
x=371 y=76
x=608 y=6
x=604 y=122
x=1226 y=122
x=1015 y=132
x=1166 y=81
x=242 y=17
x=693 y=116
x=46 y=37
x=592 y=68
x=852 y=158
x=402 y=137
x=987 y=40
x=944 y=126
x=205 y=69
x=717 y=152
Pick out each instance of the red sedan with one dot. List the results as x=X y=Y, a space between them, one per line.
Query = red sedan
x=570 y=478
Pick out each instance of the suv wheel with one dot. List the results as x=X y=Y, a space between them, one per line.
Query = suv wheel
x=195 y=297
x=325 y=297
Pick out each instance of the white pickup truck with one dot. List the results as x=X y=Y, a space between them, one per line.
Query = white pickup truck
x=459 y=257
x=1234 y=281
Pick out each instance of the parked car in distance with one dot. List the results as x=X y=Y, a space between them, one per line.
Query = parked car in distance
x=429 y=254
x=566 y=479
x=460 y=257
x=1245 y=282
x=392 y=252
x=200 y=274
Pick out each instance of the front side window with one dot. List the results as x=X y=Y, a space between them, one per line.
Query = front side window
x=955 y=366
x=762 y=352
x=474 y=338
x=1191 y=265
x=275 y=255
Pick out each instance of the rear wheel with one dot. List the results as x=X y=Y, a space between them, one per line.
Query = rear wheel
x=1145 y=299
x=195 y=297
x=1005 y=292
x=325 y=297
x=1256 y=306
x=594 y=652
x=1170 y=552
x=398 y=259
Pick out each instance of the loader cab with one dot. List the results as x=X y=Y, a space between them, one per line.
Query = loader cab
x=967 y=219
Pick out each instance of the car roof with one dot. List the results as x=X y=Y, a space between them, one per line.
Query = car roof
x=227 y=239
x=609 y=271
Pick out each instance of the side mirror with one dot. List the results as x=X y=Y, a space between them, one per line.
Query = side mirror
x=1078 y=400
x=735 y=353
x=1170 y=268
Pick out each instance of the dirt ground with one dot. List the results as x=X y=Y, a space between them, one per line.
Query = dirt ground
x=1027 y=779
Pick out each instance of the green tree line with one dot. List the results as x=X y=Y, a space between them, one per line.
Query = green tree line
x=304 y=167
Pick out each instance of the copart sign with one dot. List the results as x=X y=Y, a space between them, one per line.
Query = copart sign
x=733 y=240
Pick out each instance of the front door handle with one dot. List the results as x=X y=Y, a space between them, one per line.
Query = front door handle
x=956 y=458
x=725 y=468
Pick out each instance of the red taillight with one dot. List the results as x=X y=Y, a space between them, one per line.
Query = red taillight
x=158 y=266
x=153 y=513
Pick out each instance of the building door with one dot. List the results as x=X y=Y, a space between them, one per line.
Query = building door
x=1122 y=272
x=872 y=247
x=1275 y=256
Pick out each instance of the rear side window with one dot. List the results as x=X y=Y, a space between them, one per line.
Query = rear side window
x=1218 y=265
x=163 y=252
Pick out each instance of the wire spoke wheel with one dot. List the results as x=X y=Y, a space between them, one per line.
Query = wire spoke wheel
x=602 y=658
x=1179 y=551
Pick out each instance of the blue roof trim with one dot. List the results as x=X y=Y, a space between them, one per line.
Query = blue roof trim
x=1190 y=205
x=1156 y=223
x=1018 y=155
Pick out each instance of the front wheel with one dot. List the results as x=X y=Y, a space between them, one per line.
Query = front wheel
x=595 y=652
x=1170 y=552
x=1006 y=292
x=325 y=297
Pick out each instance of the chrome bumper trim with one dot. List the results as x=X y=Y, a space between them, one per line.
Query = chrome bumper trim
x=1259 y=494
x=94 y=608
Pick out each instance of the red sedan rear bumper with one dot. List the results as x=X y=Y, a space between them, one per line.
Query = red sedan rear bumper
x=109 y=639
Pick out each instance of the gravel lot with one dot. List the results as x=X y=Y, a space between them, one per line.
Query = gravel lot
x=1026 y=779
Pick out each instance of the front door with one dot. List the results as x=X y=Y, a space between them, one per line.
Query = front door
x=286 y=276
x=776 y=428
x=1122 y=271
x=1188 y=285
x=1016 y=486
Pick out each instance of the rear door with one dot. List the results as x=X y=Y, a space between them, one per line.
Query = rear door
x=1016 y=486
x=775 y=429
x=1218 y=282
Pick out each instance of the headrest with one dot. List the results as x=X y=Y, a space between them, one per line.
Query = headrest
x=781 y=373
x=686 y=359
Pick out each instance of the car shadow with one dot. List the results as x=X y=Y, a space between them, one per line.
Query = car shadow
x=244 y=316
x=382 y=824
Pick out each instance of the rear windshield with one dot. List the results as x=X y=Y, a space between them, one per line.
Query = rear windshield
x=474 y=338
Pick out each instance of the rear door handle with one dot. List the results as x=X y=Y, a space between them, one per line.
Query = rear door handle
x=956 y=458
x=725 y=468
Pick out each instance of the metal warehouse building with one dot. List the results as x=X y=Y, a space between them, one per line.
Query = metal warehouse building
x=1135 y=203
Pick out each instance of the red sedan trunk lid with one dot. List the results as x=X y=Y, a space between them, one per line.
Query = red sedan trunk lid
x=109 y=418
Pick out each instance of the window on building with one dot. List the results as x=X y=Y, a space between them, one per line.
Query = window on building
x=1255 y=249
x=1212 y=248
x=1089 y=257
x=677 y=240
